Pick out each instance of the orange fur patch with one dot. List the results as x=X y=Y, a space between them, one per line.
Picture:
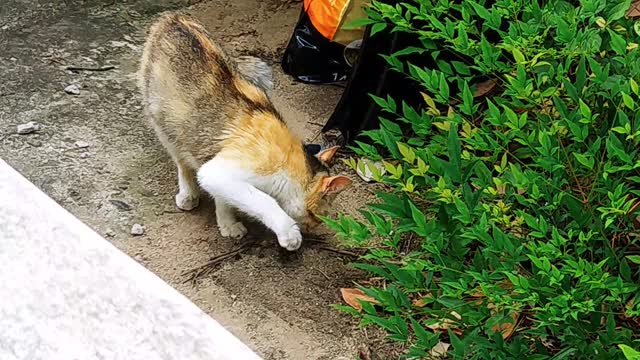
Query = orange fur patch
x=250 y=91
x=251 y=142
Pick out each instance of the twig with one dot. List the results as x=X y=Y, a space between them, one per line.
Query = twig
x=193 y=274
x=323 y=274
x=83 y=68
x=312 y=239
x=342 y=252
x=205 y=269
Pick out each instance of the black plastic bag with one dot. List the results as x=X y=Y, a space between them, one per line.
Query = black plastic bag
x=312 y=58
x=356 y=111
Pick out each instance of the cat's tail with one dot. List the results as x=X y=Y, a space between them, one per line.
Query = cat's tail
x=256 y=71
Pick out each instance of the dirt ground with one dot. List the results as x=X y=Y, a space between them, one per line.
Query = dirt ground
x=277 y=303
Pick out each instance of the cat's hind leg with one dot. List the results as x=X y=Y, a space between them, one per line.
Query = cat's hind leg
x=188 y=196
x=227 y=222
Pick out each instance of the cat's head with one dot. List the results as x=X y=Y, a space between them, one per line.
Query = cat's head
x=323 y=188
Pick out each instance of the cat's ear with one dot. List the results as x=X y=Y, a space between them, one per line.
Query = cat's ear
x=335 y=184
x=327 y=154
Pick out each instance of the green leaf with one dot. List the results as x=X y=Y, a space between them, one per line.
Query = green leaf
x=480 y=10
x=628 y=101
x=417 y=215
x=444 y=87
x=467 y=99
x=408 y=154
x=376 y=28
x=584 y=110
x=634 y=259
x=358 y=23
x=422 y=334
x=634 y=86
x=618 y=44
x=587 y=161
x=629 y=352
x=619 y=10
x=454 y=147
x=408 y=51
x=517 y=55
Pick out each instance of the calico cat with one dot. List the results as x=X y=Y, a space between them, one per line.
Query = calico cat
x=214 y=117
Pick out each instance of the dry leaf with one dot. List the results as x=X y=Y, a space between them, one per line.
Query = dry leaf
x=507 y=328
x=419 y=303
x=440 y=350
x=351 y=297
x=484 y=87
x=445 y=323
x=634 y=10
x=629 y=306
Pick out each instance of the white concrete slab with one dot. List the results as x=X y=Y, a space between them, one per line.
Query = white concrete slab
x=68 y=294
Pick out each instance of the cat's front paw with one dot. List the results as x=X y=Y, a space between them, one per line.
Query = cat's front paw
x=235 y=230
x=186 y=201
x=291 y=238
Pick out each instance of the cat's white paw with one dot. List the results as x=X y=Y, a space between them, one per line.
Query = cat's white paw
x=290 y=239
x=234 y=230
x=186 y=201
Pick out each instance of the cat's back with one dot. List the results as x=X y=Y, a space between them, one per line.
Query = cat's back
x=179 y=49
x=185 y=79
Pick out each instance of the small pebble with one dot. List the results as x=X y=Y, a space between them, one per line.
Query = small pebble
x=137 y=230
x=84 y=155
x=28 y=128
x=234 y=297
x=34 y=142
x=139 y=258
x=109 y=233
x=72 y=89
x=82 y=144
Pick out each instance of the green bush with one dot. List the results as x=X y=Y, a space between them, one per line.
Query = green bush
x=509 y=226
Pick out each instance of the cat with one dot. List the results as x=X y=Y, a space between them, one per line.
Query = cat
x=214 y=117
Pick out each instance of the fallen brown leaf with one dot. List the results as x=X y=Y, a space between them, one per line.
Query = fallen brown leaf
x=445 y=323
x=507 y=328
x=629 y=306
x=484 y=87
x=634 y=10
x=419 y=303
x=351 y=297
x=440 y=350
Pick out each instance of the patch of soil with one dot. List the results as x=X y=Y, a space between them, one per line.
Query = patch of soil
x=276 y=302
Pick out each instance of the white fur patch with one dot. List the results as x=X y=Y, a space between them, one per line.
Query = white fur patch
x=256 y=196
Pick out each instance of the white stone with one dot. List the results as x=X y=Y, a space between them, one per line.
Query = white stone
x=72 y=89
x=67 y=293
x=137 y=230
x=109 y=233
x=85 y=155
x=82 y=144
x=28 y=128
